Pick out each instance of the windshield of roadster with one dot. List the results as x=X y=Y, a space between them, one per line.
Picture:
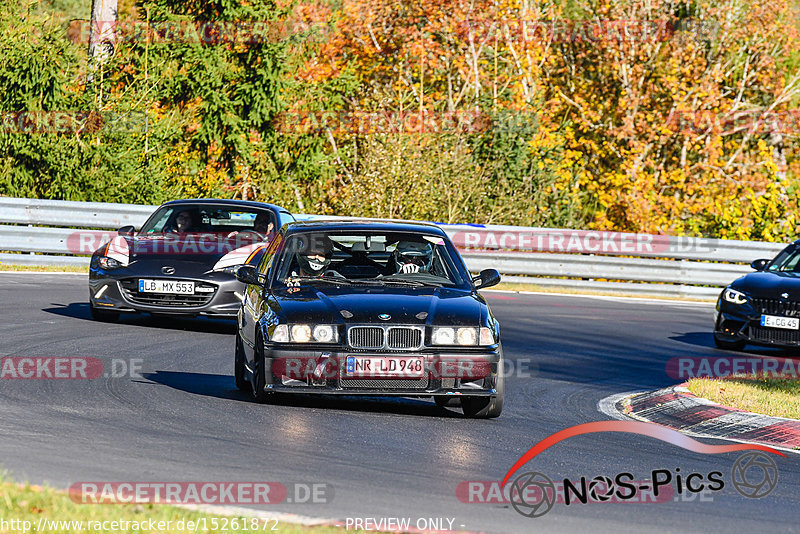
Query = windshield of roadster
x=371 y=257
x=208 y=218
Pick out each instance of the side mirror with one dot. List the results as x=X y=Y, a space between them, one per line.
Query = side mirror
x=249 y=275
x=759 y=265
x=126 y=230
x=487 y=278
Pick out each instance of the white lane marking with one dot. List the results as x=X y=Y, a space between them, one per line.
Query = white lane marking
x=44 y=272
x=607 y=406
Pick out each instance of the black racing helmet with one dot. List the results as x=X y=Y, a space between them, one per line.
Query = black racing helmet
x=314 y=245
x=418 y=253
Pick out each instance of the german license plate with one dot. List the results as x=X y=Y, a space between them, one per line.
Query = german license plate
x=773 y=321
x=385 y=367
x=176 y=287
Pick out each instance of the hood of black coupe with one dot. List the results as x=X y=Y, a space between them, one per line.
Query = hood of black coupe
x=770 y=285
x=380 y=305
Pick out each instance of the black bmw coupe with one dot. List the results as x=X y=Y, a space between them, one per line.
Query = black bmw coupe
x=369 y=308
x=762 y=308
x=183 y=259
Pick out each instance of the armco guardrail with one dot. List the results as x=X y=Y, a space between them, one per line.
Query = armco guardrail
x=49 y=232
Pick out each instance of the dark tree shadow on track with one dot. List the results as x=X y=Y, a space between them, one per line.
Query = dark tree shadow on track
x=697 y=339
x=223 y=387
x=80 y=310
x=706 y=339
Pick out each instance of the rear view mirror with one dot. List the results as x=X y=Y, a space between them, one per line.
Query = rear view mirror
x=759 y=265
x=126 y=230
x=249 y=275
x=487 y=278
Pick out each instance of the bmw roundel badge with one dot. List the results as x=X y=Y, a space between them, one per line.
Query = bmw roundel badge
x=384 y=317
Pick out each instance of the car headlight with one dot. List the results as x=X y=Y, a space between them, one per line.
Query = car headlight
x=305 y=333
x=736 y=297
x=108 y=263
x=443 y=335
x=280 y=334
x=487 y=336
x=301 y=333
x=231 y=269
x=464 y=336
x=324 y=333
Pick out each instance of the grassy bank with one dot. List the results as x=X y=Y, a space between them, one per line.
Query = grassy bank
x=44 y=268
x=778 y=398
x=32 y=508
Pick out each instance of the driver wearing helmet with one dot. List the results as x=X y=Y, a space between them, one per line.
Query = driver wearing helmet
x=313 y=256
x=412 y=257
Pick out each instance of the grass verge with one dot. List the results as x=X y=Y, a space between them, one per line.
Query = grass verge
x=27 y=508
x=775 y=397
x=44 y=268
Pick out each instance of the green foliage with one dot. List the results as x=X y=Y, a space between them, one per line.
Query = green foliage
x=580 y=135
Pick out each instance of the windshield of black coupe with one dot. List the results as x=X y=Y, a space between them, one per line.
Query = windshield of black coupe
x=203 y=218
x=367 y=257
x=787 y=261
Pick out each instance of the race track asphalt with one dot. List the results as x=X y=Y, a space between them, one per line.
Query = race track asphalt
x=183 y=419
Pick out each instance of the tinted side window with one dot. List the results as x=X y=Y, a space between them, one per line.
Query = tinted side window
x=266 y=261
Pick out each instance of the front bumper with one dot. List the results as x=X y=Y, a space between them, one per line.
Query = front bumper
x=743 y=323
x=118 y=293
x=446 y=373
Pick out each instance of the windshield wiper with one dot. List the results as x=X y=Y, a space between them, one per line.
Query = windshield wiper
x=396 y=281
x=327 y=279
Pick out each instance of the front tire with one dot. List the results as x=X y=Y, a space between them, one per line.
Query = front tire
x=238 y=365
x=488 y=407
x=259 y=374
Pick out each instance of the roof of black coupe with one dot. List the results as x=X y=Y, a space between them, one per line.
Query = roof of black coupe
x=338 y=225
x=226 y=202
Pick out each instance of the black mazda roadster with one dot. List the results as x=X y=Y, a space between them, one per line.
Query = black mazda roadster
x=369 y=308
x=183 y=259
x=763 y=307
